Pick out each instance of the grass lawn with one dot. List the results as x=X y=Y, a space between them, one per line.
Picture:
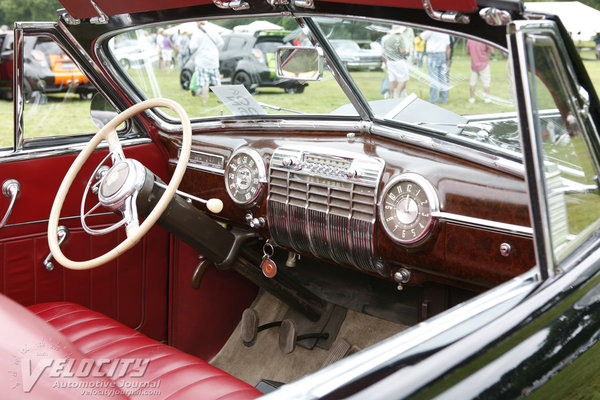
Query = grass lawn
x=68 y=114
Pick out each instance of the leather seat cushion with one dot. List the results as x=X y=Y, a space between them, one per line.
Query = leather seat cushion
x=175 y=374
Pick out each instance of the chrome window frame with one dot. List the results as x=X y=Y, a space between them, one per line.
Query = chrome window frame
x=546 y=256
x=45 y=147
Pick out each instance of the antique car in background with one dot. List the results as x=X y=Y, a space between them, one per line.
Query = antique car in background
x=47 y=69
x=331 y=244
x=249 y=60
x=354 y=57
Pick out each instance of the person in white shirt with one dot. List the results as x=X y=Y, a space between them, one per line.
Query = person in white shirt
x=438 y=50
x=205 y=45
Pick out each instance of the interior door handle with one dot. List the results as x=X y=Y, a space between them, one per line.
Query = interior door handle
x=10 y=189
x=63 y=233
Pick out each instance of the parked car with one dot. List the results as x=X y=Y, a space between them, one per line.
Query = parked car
x=133 y=53
x=249 y=60
x=355 y=57
x=331 y=244
x=47 y=69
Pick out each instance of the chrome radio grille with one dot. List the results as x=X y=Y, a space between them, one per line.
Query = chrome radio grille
x=325 y=204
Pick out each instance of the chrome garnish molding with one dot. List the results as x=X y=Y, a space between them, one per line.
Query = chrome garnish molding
x=325 y=203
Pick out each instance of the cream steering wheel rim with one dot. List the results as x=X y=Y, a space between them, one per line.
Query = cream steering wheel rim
x=109 y=133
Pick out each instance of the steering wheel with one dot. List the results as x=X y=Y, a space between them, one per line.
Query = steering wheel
x=118 y=188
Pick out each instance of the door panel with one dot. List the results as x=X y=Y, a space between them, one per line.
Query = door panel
x=131 y=289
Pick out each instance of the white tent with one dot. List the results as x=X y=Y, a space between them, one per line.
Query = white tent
x=190 y=27
x=581 y=21
x=258 y=26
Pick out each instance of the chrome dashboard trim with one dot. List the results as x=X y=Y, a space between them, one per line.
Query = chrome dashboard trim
x=325 y=202
x=487 y=224
x=197 y=167
x=200 y=167
x=482 y=158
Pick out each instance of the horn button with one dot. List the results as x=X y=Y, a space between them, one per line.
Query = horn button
x=122 y=180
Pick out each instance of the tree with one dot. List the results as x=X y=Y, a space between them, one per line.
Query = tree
x=27 y=10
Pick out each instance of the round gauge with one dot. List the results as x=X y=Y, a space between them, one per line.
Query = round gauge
x=245 y=177
x=406 y=208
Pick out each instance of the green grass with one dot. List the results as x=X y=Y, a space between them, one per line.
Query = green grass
x=68 y=114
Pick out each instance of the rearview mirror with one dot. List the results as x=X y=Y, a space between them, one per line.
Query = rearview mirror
x=299 y=63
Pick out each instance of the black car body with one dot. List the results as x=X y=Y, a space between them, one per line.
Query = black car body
x=249 y=60
x=331 y=244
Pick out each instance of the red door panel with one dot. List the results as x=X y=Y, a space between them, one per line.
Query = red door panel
x=131 y=289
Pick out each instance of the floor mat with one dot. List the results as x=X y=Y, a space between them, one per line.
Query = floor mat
x=264 y=360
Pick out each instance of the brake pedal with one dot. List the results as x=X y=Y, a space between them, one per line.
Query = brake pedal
x=288 y=336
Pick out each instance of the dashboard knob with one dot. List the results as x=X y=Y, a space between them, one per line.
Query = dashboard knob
x=215 y=206
x=351 y=173
x=257 y=222
x=288 y=162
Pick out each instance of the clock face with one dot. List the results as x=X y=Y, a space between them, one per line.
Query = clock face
x=245 y=177
x=406 y=208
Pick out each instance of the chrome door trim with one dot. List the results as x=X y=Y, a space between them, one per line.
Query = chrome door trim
x=18 y=100
x=45 y=221
x=23 y=155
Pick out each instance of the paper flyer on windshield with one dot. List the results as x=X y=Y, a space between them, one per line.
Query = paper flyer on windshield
x=238 y=100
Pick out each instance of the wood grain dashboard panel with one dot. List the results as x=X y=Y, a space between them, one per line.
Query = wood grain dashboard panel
x=459 y=253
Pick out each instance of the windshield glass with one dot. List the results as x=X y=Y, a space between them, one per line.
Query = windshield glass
x=447 y=85
x=186 y=61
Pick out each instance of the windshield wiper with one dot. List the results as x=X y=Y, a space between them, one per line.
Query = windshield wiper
x=276 y=108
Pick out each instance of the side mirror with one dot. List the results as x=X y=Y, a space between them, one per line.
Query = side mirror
x=299 y=63
x=101 y=111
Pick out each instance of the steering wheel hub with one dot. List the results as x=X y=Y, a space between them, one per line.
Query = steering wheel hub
x=124 y=179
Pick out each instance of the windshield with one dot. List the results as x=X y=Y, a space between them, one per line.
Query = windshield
x=443 y=84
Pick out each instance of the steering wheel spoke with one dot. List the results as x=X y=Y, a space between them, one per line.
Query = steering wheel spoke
x=117 y=187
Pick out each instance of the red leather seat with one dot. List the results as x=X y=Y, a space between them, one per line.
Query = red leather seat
x=166 y=373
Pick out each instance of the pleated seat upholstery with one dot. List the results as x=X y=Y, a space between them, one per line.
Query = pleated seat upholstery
x=171 y=373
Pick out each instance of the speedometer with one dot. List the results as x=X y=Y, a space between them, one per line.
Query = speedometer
x=406 y=208
x=245 y=177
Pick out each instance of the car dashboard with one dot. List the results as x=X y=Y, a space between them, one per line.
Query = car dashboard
x=376 y=205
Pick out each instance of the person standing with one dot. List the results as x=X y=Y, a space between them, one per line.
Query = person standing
x=183 y=47
x=205 y=45
x=480 y=67
x=437 y=50
x=419 y=46
x=166 y=52
x=397 y=48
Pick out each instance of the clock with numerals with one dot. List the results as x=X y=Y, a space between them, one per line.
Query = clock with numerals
x=407 y=208
x=245 y=177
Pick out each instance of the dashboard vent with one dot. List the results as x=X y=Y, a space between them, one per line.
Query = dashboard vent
x=325 y=204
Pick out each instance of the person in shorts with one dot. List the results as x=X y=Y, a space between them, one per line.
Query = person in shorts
x=205 y=45
x=397 y=50
x=480 y=68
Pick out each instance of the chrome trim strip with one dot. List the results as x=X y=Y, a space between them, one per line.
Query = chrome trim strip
x=45 y=221
x=18 y=100
x=202 y=168
x=62 y=150
x=455 y=150
x=485 y=224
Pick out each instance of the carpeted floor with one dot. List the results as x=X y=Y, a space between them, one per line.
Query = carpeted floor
x=264 y=360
